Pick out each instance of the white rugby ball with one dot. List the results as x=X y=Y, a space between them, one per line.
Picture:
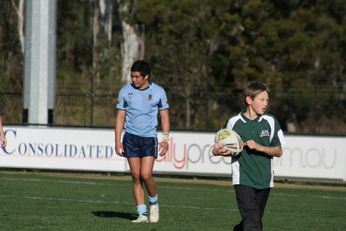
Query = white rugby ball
x=231 y=140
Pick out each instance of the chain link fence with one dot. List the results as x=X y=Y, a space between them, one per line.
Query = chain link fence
x=205 y=112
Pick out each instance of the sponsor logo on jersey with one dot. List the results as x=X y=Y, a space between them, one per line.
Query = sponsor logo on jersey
x=150 y=97
x=264 y=133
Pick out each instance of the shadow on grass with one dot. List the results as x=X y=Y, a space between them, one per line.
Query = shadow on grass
x=111 y=214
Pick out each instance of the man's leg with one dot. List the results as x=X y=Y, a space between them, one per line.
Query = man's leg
x=147 y=176
x=138 y=191
x=248 y=207
x=147 y=164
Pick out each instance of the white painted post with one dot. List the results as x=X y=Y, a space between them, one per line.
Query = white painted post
x=40 y=51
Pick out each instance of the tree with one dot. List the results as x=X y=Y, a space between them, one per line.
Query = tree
x=11 y=64
x=202 y=51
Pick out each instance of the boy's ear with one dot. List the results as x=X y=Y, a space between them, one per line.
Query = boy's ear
x=248 y=100
x=146 y=77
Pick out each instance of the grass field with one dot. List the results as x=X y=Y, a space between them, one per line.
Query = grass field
x=71 y=202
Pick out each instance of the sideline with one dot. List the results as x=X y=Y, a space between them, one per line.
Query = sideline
x=184 y=179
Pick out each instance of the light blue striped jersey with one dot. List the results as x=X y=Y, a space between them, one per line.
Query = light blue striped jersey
x=142 y=107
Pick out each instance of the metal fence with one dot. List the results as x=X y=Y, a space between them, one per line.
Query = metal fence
x=205 y=112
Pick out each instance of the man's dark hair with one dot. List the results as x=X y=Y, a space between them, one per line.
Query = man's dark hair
x=141 y=66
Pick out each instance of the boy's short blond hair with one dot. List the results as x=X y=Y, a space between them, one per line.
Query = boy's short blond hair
x=255 y=88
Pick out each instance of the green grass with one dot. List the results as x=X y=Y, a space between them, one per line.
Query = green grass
x=56 y=201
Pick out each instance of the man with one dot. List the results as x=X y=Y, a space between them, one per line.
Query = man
x=138 y=106
x=3 y=140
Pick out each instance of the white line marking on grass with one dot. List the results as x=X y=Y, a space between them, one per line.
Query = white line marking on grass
x=123 y=203
x=75 y=200
x=109 y=184
x=54 y=181
x=330 y=197
x=230 y=190
x=197 y=189
x=316 y=196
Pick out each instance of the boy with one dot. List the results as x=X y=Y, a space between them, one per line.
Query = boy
x=138 y=105
x=252 y=173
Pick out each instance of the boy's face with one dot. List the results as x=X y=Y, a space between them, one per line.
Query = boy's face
x=259 y=104
x=138 y=80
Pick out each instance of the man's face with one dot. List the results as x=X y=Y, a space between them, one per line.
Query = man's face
x=138 y=80
x=260 y=103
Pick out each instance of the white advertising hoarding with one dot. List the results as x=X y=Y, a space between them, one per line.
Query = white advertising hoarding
x=318 y=157
x=60 y=148
x=88 y=149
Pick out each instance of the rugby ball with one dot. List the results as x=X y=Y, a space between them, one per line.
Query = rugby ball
x=231 y=140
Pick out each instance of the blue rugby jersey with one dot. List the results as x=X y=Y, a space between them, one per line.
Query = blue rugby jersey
x=142 y=106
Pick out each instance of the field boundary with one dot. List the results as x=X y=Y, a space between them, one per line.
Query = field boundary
x=293 y=183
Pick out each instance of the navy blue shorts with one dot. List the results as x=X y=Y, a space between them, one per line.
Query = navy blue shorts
x=138 y=146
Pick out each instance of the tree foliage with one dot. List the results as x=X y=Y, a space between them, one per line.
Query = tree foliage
x=203 y=52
